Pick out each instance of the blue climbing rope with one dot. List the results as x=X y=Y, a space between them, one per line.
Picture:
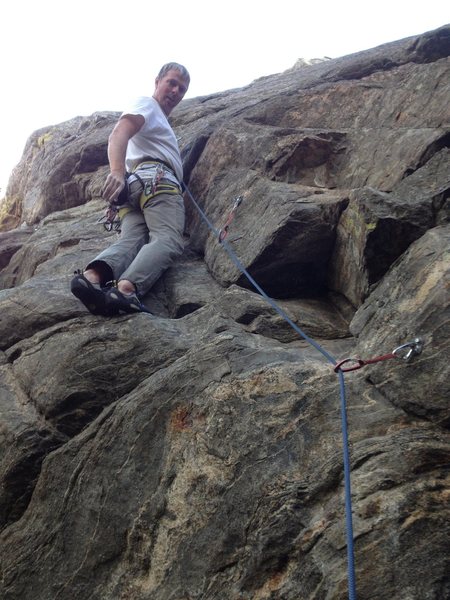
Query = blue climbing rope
x=348 y=492
x=220 y=235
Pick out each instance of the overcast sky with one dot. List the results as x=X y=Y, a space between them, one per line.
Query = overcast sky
x=60 y=60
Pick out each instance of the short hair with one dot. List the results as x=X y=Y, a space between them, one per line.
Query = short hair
x=177 y=67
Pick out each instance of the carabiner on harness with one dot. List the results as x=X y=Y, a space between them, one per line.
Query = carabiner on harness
x=110 y=218
x=151 y=185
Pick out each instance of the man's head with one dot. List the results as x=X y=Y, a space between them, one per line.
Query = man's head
x=171 y=84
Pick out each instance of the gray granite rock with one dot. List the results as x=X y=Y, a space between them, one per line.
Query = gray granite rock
x=196 y=453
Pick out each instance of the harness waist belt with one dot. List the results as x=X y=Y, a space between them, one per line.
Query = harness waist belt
x=148 y=159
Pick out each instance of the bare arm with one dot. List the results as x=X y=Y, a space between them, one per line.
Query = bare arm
x=124 y=130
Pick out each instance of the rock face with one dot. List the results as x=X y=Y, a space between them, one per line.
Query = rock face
x=197 y=452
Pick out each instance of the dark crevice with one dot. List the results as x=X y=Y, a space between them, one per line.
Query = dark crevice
x=20 y=480
x=191 y=153
x=187 y=309
x=387 y=243
x=430 y=151
x=358 y=463
x=77 y=411
x=248 y=317
x=15 y=355
x=306 y=280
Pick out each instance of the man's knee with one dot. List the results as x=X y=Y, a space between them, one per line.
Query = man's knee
x=174 y=245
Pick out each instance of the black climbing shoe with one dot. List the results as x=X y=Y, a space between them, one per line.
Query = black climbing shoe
x=118 y=303
x=90 y=294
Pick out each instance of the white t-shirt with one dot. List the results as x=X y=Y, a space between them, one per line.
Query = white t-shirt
x=155 y=139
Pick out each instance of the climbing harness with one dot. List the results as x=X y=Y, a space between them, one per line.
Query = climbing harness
x=405 y=351
x=151 y=187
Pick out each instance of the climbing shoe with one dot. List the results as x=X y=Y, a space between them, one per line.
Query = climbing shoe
x=90 y=294
x=118 y=303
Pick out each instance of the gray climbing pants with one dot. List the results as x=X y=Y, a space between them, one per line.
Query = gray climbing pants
x=150 y=240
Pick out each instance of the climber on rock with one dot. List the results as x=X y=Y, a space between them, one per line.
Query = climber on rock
x=144 y=186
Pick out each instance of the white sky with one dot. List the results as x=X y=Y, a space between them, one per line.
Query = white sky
x=60 y=59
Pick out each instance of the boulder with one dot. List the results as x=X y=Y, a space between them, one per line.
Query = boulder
x=62 y=167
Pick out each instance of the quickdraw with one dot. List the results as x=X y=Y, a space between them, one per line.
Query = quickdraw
x=110 y=218
x=224 y=231
x=151 y=185
x=405 y=351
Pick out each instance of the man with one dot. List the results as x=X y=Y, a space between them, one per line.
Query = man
x=145 y=162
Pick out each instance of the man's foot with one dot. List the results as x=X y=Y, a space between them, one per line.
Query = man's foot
x=90 y=294
x=118 y=303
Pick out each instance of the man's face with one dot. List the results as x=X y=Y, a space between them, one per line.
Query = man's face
x=169 y=90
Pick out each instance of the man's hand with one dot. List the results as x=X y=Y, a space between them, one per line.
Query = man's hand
x=114 y=184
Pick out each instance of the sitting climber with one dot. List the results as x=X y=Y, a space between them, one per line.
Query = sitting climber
x=144 y=183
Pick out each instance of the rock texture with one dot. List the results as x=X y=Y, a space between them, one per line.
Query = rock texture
x=196 y=453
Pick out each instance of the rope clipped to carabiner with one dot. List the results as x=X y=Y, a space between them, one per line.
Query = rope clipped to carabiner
x=405 y=351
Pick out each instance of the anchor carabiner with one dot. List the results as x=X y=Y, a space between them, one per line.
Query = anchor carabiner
x=408 y=350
